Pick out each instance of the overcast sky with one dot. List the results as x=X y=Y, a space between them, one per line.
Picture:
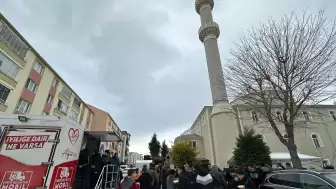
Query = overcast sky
x=140 y=60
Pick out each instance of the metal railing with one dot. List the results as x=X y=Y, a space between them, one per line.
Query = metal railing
x=109 y=177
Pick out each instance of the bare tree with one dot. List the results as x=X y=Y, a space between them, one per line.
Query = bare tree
x=284 y=65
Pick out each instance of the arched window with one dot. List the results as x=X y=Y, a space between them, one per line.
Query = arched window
x=279 y=115
x=317 y=140
x=333 y=114
x=306 y=115
x=255 y=116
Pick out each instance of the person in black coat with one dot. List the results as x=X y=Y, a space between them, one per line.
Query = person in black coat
x=83 y=170
x=241 y=178
x=145 y=179
x=204 y=179
x=96 y=167
x=184 y=180
x=256 y=174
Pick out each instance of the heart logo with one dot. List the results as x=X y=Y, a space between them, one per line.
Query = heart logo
x=73 y=135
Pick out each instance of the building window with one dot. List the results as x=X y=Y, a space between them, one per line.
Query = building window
x=23 y=107
x=4 y=93
x=306 y=116
x=255 y=117
x=38 y=67
x=76 y=103
x=45 y=113
x=193 y=143
x=7 y=66
x=279 y=115
x=31 y=86
x=74 y=115
x=88 y=120
x=66 y=92
x=50 y=99
x=81 y=118
x=63 y=107
x=12 y=41
x=333 y=114
x=317 y=140
x=55 y=83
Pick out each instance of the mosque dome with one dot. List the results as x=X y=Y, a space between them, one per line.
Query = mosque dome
x=188 y=132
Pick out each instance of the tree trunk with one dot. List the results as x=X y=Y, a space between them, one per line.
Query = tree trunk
x=294 y=156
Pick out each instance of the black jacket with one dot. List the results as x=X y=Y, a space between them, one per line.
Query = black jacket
x=145 y=181
x=96 y=163
x=184 y=181
x=246 y=181
x=203 y=180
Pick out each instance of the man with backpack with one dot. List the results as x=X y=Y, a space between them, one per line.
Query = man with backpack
x=204 y=180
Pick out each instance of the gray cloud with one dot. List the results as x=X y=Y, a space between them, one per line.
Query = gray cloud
x=139 y=60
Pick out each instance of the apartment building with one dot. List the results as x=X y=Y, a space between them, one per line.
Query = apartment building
x=29 y=85
x=133 y=157
x=126 y=137
x=314 y=131
x=102 y=121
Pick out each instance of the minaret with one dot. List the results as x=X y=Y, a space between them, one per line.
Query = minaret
x=208 y=34
x=223 y=123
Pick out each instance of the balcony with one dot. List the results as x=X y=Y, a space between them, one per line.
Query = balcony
x=18 y=112
x=47 y=107
x=35 y=76
x=64 y=98
x=3 y=106
x=76 y=104
x=8 y=79
x=17 y=58
x=27 y=95
x=59 y=112
x=52 y=91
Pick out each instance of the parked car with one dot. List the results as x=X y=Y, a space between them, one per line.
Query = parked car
x=122 y=167
x=303 y=179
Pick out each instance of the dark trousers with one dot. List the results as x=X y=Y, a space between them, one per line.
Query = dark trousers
x=83 y=178
x=94 y=179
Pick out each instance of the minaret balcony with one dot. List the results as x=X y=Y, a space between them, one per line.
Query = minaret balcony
x=207 y=30
x=200 y=3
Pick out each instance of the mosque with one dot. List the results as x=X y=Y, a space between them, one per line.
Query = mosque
x=215 y=129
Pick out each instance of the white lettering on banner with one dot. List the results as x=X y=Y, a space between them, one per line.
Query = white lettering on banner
x=63 y=178
x=16 y=180
x=68 y=153
x=25 y=142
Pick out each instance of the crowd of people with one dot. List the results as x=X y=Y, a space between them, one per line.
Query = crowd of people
x=200 y=176
x=161 y=176
x=90 y=168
